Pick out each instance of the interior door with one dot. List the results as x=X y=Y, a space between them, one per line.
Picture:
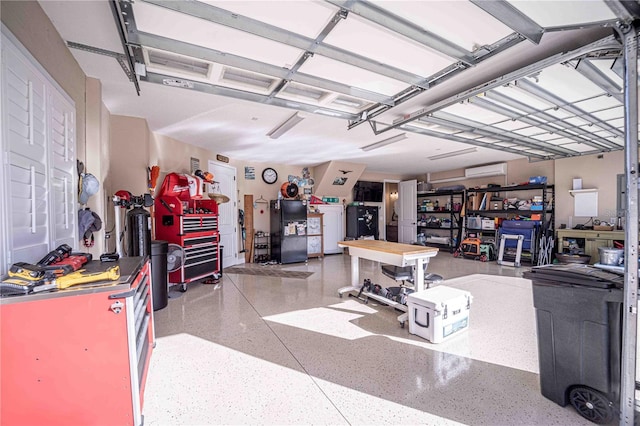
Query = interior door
x=225 y=176
x=407 y=202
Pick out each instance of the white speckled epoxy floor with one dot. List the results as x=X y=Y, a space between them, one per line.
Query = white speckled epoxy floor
x=262 y=350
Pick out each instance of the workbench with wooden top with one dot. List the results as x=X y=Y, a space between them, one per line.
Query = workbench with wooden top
x=387 y=252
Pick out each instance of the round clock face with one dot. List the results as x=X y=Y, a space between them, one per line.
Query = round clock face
x=269 y=175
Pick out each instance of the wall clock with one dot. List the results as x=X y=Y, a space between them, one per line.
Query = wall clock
x=269 y=175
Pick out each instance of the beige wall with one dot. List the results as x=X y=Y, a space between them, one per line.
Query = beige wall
x=518 y=171
x=129 y=154
x=596 y=172
x=258 y=188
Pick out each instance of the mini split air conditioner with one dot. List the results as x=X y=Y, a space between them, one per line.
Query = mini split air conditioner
x=499 y=169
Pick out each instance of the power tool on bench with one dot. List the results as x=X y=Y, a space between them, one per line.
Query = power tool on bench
x=29 y=272
x=79 y=277
x=23 y=277
x=53 y=256
x=63 y=255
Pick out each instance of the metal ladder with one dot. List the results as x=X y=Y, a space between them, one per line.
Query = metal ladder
x=505 y=237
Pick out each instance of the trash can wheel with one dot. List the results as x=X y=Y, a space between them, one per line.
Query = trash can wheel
x=591 y=404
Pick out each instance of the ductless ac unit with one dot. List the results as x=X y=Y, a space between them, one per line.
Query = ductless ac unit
x=499 y=169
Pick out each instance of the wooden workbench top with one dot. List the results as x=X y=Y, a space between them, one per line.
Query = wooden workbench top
x=388 y=247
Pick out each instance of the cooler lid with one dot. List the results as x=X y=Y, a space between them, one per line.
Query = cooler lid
x=575 y=274
x=439 y=295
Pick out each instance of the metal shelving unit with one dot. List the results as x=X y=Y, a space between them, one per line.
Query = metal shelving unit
x=494 y=209
x=446 y=205
x=261 y=244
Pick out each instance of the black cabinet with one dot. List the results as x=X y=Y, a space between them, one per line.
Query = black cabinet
x=362 y=221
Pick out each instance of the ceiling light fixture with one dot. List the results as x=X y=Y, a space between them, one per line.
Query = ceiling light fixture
x=453 y=154
x=287 y=125
x=327 y=112
x=385 y=142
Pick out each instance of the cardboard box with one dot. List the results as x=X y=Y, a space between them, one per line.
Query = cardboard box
x=438 y=313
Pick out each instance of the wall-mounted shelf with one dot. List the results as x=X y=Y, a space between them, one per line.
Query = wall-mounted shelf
x=573 y=192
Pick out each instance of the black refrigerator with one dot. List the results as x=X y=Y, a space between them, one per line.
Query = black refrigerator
x=288 y=230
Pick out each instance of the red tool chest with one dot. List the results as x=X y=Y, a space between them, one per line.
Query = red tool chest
x=193 y=226
x=78 y=356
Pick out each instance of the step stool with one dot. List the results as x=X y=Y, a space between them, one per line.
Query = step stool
x=505 y=237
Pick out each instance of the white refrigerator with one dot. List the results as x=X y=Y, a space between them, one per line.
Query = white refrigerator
x=333 y=226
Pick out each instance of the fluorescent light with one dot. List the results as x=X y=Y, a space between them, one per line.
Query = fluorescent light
x=327 y=112
x=453 y=154
x=385 y=142
x=287 y=125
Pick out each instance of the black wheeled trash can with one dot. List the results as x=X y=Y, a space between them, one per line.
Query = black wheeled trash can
x=579 y=327
x=221 y=257
x=159 y=274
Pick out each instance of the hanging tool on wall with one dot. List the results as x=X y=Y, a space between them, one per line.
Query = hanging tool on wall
x=152 y=174
x=244 y=230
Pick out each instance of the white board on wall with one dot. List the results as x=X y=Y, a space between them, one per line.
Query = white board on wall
x=585 y=204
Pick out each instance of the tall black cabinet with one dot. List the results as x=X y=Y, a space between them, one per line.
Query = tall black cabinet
x=362 y=221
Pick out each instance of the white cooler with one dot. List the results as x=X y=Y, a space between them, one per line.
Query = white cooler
x=438 y=313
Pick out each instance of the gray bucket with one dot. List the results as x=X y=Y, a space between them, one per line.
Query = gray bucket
x=611 y=256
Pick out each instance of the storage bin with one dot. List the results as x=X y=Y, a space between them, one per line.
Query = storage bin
x=424 y=187
x=538 y=179
x=488 y=224
x=437 y=240
x=438 y=313
x=474 y=222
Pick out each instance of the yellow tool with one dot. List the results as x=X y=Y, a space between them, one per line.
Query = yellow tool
x=26 y=271
x=17 y=285
x=79 y=277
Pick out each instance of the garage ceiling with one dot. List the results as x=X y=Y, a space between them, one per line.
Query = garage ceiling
x=422 y=86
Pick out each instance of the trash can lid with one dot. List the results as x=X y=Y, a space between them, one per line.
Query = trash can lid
x=575 y=274
x=159 y=247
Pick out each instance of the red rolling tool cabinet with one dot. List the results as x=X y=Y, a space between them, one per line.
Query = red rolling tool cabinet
x=78 y=356
x=191 y=228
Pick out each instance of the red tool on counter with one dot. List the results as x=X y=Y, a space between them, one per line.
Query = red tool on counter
x=62 y=255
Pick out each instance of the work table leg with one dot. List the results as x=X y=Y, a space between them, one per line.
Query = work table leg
x=355 y=271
